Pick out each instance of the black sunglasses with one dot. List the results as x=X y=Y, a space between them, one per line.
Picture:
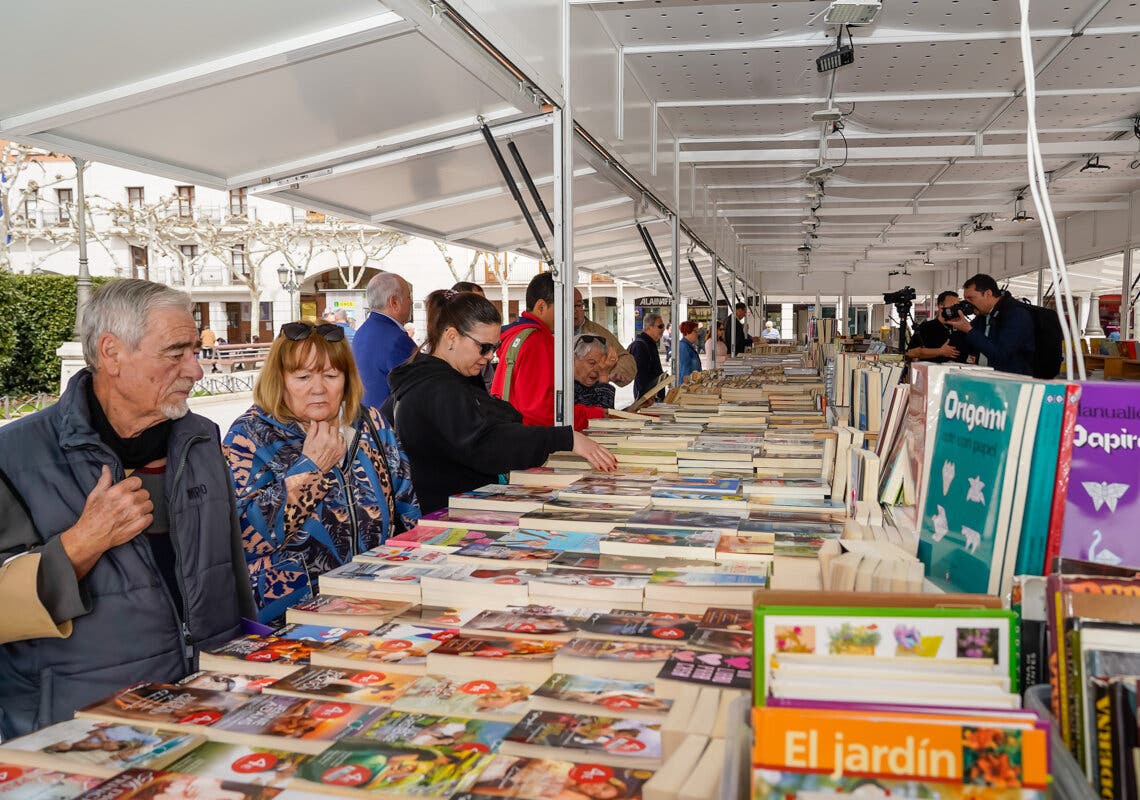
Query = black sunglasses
x=587 y=338
x=485 y=348
x=299 y=331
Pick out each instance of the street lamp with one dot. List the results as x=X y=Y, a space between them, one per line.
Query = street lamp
x=291 y=278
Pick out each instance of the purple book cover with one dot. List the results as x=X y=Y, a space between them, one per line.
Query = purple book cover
x=1103 y=501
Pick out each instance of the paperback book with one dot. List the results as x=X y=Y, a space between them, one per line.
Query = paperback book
x=293 y=723
x=98 y=748
x=368 y=769
x=165 y=705
x=611 y=741
x=259 y=655
x=557 y=540
x=705 y=669
x=470 y=518
x=499 y=700
x=143 y=784
x=240 y=763
x=391 y=648
x=227 y=681
x=520 y=778
x=376 y=580
x=661 y=543
x=518 y=659
x=31 y=783
x=349 y=612
x=325 y=634
x=390 y=556
x=429 y=730
x=364 y=687
x=586 y=694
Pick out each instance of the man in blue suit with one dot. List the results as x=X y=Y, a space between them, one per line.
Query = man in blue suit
x=381 y=343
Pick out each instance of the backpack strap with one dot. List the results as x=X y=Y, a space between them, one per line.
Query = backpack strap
x=512 y=357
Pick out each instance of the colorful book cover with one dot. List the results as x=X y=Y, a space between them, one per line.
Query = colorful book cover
x=437 y=616
x=520 y=778
x=91 y=747
x=1104 y=480
x=392 y=644
x=241 y=764
x=160 y=704
x=522 y=620
x=794 y=784
x=375 y=769
x=596 y=579
x=709 y=577
x=612 y=650
x=620 y=564
x=727 y=619
x=609 y=695
x=571 y=520
x=597 y=509
x=455 y=538
x=475 y=575
x=1042 y=476
x=895 y=746
x=479 y=698
x=969 y=512
x=664 y=537
x=553 y=540
x=642 y=625
x=144 y=784
x=686 y=520
x=720 y=641
x=377 y=573
x=728 y=486
x=297 y=718
x=29 y=783
x=399 y=556
x=719 y=670
x=602 y=490
x=500 y=552
x=500 y=649
x=318 y=633
x=351 y=606
x=267 y=650
x=586 y=733
x=227 y=681
x=985 y=636
x=428 y=730
x=367 y=687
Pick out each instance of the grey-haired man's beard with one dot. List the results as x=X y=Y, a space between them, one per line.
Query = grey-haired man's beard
x=175 y=410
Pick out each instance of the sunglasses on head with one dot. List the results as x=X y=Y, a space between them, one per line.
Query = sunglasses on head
x=587 y=338
x=485 y=348
x=299 y=331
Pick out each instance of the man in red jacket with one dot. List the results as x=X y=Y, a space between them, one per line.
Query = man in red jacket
x=525 y=375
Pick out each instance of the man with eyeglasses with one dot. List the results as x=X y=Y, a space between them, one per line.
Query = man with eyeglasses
x=644 y=350
x=525 y=374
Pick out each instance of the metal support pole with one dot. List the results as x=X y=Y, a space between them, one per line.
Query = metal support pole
x=83 y=283
x=1126 y=295
x=675 y=315
x=712 y=311
x=563 y=267
x=732 y=318
x=1041 y=286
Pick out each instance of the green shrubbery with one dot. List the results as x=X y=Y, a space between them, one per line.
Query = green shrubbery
x=37 y=315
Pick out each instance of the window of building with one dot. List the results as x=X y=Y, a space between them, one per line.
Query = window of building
x=237 y=260
x=63 y=200
x=135 y=196
x=185 y=201
x=32 y=209
x=140 y=262
x=189 y=251
x=237 y=202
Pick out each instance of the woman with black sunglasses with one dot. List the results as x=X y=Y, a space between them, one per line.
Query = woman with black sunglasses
x=458 y=436
x=319 y=476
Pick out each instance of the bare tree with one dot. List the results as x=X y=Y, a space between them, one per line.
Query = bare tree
x=25 y=172
x=449 y=260
x=355 y=247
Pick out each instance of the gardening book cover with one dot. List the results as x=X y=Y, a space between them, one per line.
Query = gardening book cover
x=982 y=637
x=97 y=748
x=165 y=705
x=293 y=723
x=1103 y=501
x=614 y=741
x=367 y=687
x=971 y=507
x=521 y=778
x=500 y=700
x=145 y=784
x=972 y=751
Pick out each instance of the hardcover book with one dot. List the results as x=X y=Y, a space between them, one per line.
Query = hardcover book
x=520 y=778
x=611 y=741
x=165 y=705
x=96 y=748
x=366 y=687
x=500 y=700
x=293 y=723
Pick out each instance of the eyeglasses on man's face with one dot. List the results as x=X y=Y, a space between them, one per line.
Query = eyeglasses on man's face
x=485 y=348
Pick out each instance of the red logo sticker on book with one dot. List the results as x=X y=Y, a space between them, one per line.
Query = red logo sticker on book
x=478 y=747
x=600 y=582
x=405 y=578
x=668 y=633
x=633 y=567
x=347 y=775
x=10 y=773
x=329 y=710
x=491 y=652
x=255 y=762
x=368 y=678
x=478 y=687
x=524 y=627
x=395 y=644
x=620 y=703
x=201 y=718
x=444 y=636
x=623 y=744
x=590 y=773
x=507 y=579
x=261 y=655
x=397 y=557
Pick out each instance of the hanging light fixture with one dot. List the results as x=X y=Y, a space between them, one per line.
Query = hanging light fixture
x=1019 y=212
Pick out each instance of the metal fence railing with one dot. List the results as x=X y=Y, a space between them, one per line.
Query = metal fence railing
x=15 y=406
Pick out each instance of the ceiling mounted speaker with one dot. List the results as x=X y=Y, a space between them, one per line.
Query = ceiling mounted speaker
x=820 y=173
x=852 y=12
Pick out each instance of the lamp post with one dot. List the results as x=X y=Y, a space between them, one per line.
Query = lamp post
x=291 y=278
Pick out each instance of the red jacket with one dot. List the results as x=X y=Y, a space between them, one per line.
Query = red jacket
x=532 y=387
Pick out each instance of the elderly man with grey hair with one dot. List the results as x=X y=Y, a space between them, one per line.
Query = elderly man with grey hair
x=133 y=560
x=591 y=368
x=381 y=343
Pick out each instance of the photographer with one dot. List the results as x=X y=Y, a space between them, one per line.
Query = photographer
x=1002 y=332
x=935 y=340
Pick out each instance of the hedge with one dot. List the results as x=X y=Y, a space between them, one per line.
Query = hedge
x=37 y=315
